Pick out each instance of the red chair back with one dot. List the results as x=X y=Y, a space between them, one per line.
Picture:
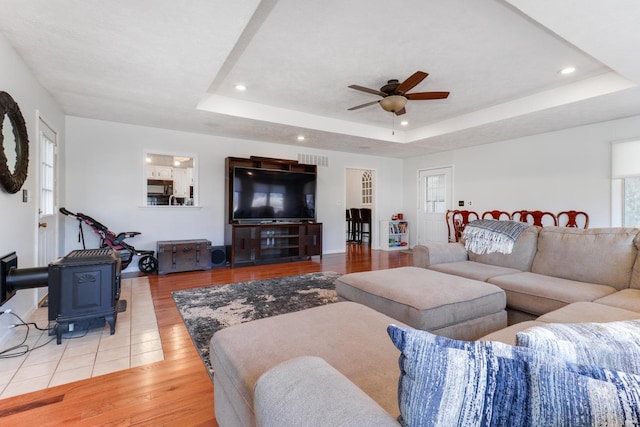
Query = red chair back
x=496 y=215
x=538 y=217
x=573 y=219
x=460 y=220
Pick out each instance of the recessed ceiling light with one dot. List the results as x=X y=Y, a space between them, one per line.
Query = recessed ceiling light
x=241 y=87
x=176 y=163
x=568 y=70
x=404 y=123
x=301 y=138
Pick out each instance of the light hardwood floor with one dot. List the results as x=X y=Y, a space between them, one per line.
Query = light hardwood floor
x=176 y=391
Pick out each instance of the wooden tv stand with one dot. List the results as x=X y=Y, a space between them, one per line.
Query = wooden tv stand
x=274 y=242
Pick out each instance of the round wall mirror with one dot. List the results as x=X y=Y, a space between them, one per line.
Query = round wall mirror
x=14 y=145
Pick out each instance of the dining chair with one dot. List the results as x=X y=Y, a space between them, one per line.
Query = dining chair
x=495 y=214
x=365 y=224
x=573 y=219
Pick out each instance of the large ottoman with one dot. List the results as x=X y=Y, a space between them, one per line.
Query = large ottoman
x=352 y=338
x=443 y=304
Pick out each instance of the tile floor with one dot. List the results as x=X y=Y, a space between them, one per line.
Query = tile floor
x=136 y=342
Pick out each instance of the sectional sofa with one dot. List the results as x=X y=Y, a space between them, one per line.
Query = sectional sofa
x=336 y=365
x=553 y=274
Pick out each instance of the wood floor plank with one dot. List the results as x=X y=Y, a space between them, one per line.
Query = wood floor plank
x=176 y=391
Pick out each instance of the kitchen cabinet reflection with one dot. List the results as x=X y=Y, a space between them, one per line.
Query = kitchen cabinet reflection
x=170 y=180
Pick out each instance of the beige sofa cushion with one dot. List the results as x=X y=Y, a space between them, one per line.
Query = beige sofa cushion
x=432 y=253
x=577 y=312
x=538 y=294
x=472 y=270
x=628 y=299
x=508 y=335
x=585 y=311
x=308 y=391
x=350 y=337
x=520 y=257
x=604 y=256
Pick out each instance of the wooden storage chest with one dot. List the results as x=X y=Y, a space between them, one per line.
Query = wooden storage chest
x=183 y=255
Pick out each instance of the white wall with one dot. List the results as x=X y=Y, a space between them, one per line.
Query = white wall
x=18 y=220
x=563 y=170
x=105 y=180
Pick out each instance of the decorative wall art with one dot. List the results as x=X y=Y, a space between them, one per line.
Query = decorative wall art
x=14 y=145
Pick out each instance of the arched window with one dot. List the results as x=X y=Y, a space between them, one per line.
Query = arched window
x=367 y=188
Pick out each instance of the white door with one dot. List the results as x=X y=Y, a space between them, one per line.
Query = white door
x=434 y=198
x=47 y=194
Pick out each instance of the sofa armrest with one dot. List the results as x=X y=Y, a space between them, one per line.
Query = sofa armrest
x=438 y=253
x=308 y=391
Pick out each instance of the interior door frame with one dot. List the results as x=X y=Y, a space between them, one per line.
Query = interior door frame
x=53 y=220
x=373 y=242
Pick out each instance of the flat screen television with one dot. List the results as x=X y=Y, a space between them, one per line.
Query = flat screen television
x=268 y=195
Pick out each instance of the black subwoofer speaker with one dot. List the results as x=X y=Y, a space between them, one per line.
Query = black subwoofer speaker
x=218 y=256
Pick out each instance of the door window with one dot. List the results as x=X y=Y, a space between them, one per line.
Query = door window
x=435 y=197
x=47 y=175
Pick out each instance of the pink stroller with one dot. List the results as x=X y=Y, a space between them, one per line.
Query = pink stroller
x=147 y=262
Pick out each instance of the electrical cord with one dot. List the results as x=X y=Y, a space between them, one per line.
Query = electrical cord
x=24 y=348
x=85 y=332
x=21 y=349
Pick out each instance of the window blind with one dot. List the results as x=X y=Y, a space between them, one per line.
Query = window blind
x=625 y=159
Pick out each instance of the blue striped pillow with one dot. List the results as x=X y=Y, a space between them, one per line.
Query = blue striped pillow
x=613 y=345
x=445 y=382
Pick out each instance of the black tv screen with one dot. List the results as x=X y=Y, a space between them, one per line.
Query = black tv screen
x=273 y=195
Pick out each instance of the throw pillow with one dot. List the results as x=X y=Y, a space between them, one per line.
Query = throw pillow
x=613 y=345
x=445 y=382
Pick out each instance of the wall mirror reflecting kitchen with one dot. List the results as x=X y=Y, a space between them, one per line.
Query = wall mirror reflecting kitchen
x=170 y=180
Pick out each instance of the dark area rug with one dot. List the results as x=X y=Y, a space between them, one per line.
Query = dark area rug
x=209 y=309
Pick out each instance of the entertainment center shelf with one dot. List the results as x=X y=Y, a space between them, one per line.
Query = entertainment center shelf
x=264 y=243
x=268 y=163
x=270 y=211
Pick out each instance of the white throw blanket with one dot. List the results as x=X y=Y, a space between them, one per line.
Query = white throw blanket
x=490 y=235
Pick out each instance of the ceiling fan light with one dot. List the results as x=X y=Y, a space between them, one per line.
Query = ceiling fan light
x=393 y=103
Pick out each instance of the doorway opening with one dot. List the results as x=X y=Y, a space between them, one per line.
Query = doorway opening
x=360 y=202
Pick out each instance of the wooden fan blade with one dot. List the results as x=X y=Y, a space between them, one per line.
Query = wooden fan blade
x=411 y=82
x=363 y=105
x=427 y=95
x=401 y=112
x=366 y=89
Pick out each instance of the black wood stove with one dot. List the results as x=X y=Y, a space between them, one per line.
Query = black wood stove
x=84 y=288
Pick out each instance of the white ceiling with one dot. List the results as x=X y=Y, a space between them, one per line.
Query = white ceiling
x=174 y=64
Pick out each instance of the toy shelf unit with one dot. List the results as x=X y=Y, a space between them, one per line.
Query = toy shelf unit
x=394 y=235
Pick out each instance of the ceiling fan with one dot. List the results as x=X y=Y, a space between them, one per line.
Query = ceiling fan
x=394 y=94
